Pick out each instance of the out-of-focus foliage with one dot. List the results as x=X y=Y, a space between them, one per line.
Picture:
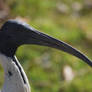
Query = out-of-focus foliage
x=67 y=20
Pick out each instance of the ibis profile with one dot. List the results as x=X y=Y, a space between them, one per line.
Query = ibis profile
x=14 y=34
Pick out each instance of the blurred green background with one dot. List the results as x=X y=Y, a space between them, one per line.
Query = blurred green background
x=50 y=70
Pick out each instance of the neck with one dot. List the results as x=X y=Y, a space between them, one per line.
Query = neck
x=7 y=47
x=15 y=77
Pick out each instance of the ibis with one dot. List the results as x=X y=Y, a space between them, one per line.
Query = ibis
x=15 y=33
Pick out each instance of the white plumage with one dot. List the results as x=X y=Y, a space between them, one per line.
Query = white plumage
x=15 y=82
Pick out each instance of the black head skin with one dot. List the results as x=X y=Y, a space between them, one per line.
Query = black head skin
x=15 y=33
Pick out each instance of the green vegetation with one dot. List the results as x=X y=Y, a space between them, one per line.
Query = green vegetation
x=44 y=66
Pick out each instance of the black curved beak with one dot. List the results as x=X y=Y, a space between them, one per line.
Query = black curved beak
x=42 y=39
x=18 y=33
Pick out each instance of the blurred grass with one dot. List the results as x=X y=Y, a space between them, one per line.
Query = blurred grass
x=43 y=65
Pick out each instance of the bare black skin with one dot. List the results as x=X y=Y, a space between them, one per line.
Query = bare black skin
x=14 y=34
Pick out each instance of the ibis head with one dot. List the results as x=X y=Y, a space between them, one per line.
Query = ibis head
x=14 y=34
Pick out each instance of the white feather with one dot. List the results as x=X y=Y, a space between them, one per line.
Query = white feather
x=15 y=82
